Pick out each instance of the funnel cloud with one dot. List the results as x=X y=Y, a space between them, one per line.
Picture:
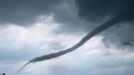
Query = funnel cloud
x=95 y=10
x=99 y=29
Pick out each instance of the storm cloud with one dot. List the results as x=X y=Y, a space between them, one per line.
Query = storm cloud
x=24 y=12
x=112 y=20
x=94 y=10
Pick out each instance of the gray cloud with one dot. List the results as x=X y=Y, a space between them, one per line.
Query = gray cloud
x=96 y=9
x=24 y=12
x=66 y=14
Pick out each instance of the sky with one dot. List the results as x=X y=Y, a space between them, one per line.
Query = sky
x=33 y=28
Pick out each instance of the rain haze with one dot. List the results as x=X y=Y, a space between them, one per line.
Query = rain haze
x=67 y=37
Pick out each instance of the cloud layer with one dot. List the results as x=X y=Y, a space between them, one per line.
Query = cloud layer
x=24 y=12
x=54 y=25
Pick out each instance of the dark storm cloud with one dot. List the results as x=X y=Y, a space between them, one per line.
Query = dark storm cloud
x=66 y=14
x=24 y=12
x=94 y=10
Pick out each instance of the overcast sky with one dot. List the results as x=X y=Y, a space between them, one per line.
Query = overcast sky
x=31 y=28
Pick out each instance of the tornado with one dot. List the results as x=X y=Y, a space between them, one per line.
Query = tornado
x=120 y=10
x=23 y=67
x=113 y=21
